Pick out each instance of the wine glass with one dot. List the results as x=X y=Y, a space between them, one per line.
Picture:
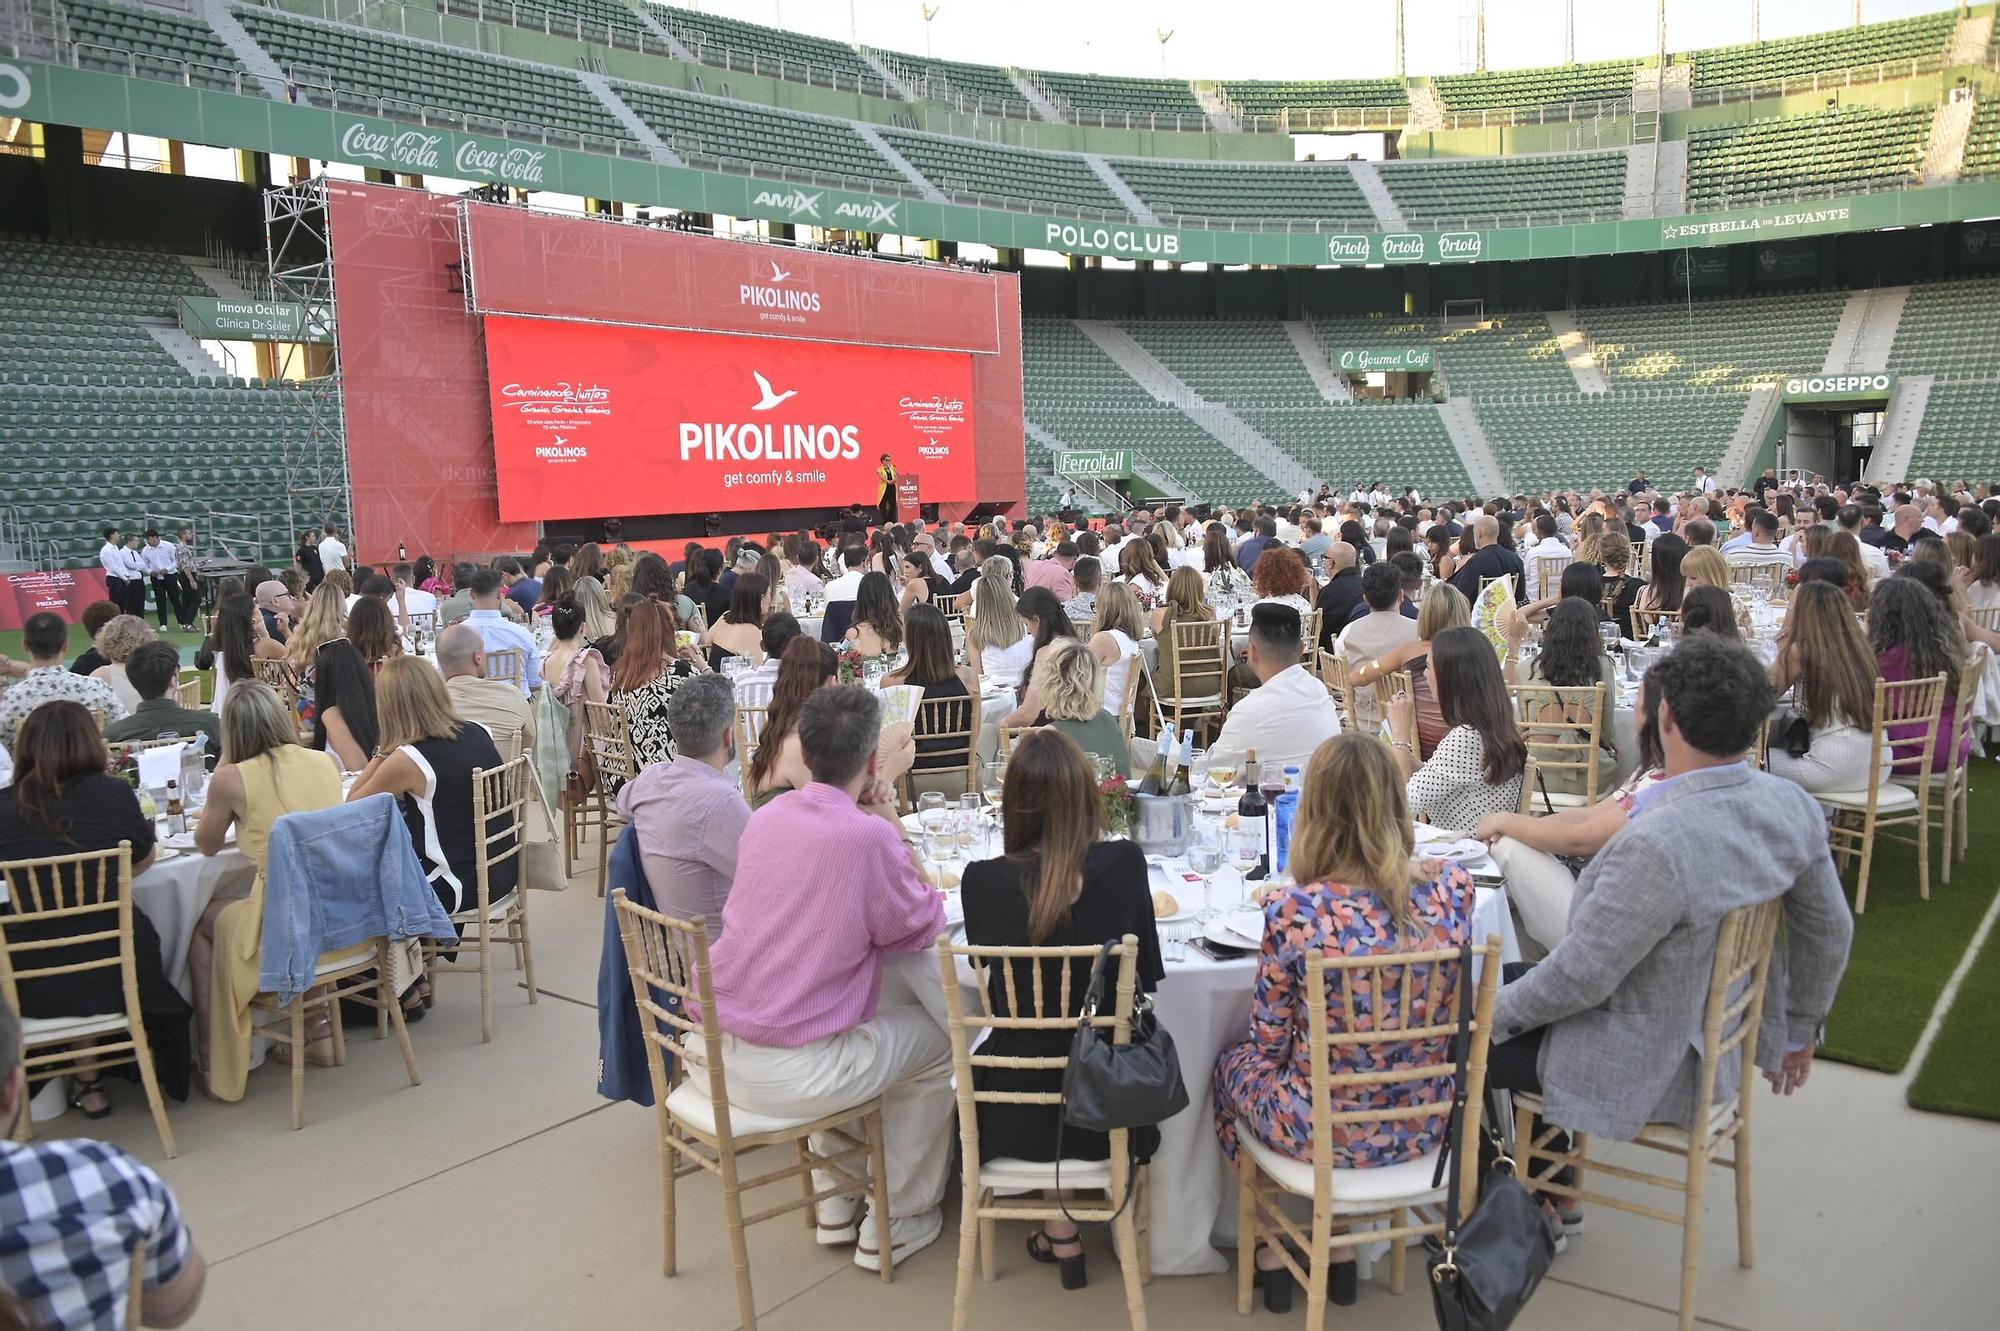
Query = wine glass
x=1221 y=773
x=1198 y=769
x=930 y=811
x=1246 y=850
x=1607 y=630
x=1205 y=857
x=993 y=778
x=968 y=823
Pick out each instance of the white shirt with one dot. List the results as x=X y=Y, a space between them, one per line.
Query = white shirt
x=1704 y=484
x=1378 y=498
x=112 y=557
x=1360 y=496
x=1549 y=547
x=941 y=565
x=332 y=554
x=135 y=567
x=157 y=558
x=845 y=587
x=1285 y=720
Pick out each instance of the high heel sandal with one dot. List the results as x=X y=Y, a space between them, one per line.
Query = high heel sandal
x=83 y=1090
x=1043 y=1249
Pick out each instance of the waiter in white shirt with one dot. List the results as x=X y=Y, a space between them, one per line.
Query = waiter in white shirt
x=111 y=557
x=1703 y=482
x=157 y=561
x=332 y=554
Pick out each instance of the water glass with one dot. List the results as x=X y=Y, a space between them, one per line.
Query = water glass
x=993 y=778
x=1205 y=857
x=930 y=810
x=1608 y=631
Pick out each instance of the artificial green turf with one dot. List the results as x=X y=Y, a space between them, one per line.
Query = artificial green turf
x=1960 y=1075
x=1905 y=949
x=10 y=645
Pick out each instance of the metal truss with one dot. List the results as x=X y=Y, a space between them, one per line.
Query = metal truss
x=299 y=250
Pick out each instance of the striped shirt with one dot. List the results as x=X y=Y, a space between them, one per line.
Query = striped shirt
x=824 y=889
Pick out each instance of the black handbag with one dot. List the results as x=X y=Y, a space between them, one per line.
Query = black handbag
x=1484 y=1271
x=1792 y=732
x=1108 y=1086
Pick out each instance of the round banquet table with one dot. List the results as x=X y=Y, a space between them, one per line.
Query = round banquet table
x=1205 y=1005
x=174 y=892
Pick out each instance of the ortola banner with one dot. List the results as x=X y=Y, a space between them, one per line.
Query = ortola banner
x=589 y=418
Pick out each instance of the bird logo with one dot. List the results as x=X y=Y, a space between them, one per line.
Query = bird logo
x=770 y=399
x=778 y=274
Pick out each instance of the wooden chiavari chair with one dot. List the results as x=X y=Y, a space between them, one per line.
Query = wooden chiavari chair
x=699 y=1129
x=499 y=806
x=1887 y=806
x=749 y=731
x=187 y=690
x=608 y=737
x=508 y=663
x=83 y=903
x=1200 y=674
x=1563 y=727
x=1645 y=621
x=1951 y=786
x=1333 y=674
x=1736 y=988
x=1055 y=981
x=1404 y=1198
x=950 y=726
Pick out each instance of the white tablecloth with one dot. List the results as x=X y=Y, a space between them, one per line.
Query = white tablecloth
x=173 y=894
x=1205 y=1005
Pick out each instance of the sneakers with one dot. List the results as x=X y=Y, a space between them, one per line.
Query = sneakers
x=908 y=1235
x=838 y=1221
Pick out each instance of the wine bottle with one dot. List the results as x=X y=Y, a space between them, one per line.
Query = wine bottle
x=1160 y=773
x=1253 y=821
x=1182 y=783
x=176 y=814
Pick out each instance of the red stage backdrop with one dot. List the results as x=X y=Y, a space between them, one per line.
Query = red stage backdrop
x=582 y=412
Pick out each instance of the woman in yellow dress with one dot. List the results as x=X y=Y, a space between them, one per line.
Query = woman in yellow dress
x=265 y=773
x=885 y=498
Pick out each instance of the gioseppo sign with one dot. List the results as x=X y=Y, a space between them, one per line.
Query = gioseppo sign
x=1837 y=387
x=1112 y=464
x=1391 y=360
x=439 y=152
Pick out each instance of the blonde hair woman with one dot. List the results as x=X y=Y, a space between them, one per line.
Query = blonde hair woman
x=996 y=640
x=1704 y=566
x=265 y=773
x=1120 y=625
x=325 y=619
x=1069 y=681
x=427 y=759
x=116 y=641
x=1357 y=895
x=599 y=620
x=1186 y=602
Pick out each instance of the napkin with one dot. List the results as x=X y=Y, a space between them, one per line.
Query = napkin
x=159 y=765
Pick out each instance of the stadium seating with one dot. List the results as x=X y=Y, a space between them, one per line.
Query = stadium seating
x=1323 y=191
x=162 y=45
x=1949 y=329
x=1855 y=147
x=1255 y=97
x=1239 y=362
x=606 y=21
x=1821 y=52
x=72 y=311
x=1728 y=343
x=1600 y=80
x=949 y=79
x=1583 y=441
x=1084 y=398
x=1541 y=186
x=779 y=52
x=1104 y=98
x=1955 y=441
x=962 y=166
x=713 y=128
x=1402 y=443
x=1982 y=143
x=411 y=75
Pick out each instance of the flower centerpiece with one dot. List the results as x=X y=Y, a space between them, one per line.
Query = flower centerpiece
x=852 y=668
x=1115 y=798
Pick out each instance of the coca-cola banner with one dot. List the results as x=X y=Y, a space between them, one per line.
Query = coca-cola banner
x=596 y=418
x=65 y=591
x=534 y=263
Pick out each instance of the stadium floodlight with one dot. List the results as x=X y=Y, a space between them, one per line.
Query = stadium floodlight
x=929 y=12
x=1163 y=36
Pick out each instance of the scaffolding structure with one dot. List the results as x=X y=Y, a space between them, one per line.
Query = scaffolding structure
x=299 y=252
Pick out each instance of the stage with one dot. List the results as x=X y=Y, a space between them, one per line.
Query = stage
x=506 y=374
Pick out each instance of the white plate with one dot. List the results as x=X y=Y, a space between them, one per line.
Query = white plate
x=161 y=853
x=1238 y=928
x=1467 y=848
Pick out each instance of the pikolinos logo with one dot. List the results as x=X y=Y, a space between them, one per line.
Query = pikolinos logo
x=1402 y=248
x=1460 y=245
x=413 y=149
x=1347 y=249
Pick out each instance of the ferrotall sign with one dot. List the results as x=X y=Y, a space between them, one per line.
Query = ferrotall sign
x=1105 y=464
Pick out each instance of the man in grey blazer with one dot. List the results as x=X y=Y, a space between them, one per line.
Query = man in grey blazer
x=1608 y=1026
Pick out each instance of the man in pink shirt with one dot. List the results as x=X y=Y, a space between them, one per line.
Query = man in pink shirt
x=1053 y=572
x=826 y=889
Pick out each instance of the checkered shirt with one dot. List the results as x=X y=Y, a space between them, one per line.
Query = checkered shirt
x=71 y=1213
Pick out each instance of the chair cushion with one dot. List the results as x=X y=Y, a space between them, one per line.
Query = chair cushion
x=689 y=1103
x=1353 y=1189
x=1890 y=798
x=52 y=1030
x=1008 y=1173
x=495 y=910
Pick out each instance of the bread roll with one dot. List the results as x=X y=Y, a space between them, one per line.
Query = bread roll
x=1165 y=905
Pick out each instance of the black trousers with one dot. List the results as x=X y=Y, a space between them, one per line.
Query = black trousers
x=129 y=593
x=1513 y=1065
x=165 y=595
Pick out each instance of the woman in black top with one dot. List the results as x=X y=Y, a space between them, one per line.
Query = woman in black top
x=1058 y=885
x=426 y=760
x=62 y=802
x=932 y=668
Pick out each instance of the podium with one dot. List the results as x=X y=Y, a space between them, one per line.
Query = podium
x=907 y=507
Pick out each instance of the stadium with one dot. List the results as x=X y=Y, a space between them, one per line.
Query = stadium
x=469 y=278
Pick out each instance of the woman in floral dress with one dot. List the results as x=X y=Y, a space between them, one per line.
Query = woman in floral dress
x=1358 y=894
